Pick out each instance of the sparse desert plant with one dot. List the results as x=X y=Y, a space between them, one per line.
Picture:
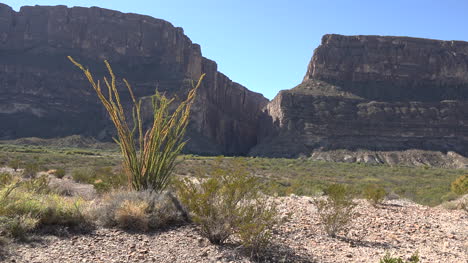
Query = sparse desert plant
x=255 y=225
x=132 y=214
x=450 y=196
x=229 y=202
x=150 y=158
x=140 y=211
x=25 y=205
x=37 y=185
x=17 y=227
x=59 y=173
x=388 y=258
x=375 y=194
x=14 y=164
x=102 y=178
x=460 y=203
x=337 y=210
x=460 y=185
x=5 y=179
x=85 y=175
x=30 y=170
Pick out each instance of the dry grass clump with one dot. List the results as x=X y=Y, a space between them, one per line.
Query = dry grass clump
x=141 y=211
x=26 y=204
x=132 y=214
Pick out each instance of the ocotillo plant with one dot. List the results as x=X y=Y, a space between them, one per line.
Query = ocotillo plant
x=148 y=157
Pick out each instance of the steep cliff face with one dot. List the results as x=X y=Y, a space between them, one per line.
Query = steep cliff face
x=374 y=93
x=43 y=95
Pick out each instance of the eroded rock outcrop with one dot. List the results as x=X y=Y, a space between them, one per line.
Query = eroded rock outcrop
x=374 y=93
x=42 y=94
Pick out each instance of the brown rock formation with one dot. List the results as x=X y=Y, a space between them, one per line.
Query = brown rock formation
x=374 y=93
x=43 y=95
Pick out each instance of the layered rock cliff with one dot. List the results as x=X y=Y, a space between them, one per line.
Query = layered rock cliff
x=42 y=94
x=374 y=93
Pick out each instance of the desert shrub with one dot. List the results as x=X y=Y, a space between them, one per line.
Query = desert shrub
x=18 y=226
x=86 y=176
x=5 y=179
x=59 y=173
x=14 y=164
x=36 y=185
x=459 y=203
x=48 y=209
x=337 y=210
x=132 y=214
x=464 y=204
x=450 y=196
x=24 y=205
x=375 y=194
x=389 y=259
x=228 y=202
x=140 y=211
x=460 y=185
x=102 y=178
x=30 y=170
x=149 y=157
x=254 y=227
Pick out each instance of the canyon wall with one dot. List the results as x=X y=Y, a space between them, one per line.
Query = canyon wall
x=42 y=94
x=374 y=93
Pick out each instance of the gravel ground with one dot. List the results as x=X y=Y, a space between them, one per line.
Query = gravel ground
x=400 y=227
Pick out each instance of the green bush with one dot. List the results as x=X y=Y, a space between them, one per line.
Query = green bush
x=389 y=259
x=254 y=228
x=337 y=210
x=140 y=211
x=85 y=176
x=375 y=194
x=229 y=202
x=460 y=185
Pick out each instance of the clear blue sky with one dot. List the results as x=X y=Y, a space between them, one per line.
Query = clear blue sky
x=266 y=44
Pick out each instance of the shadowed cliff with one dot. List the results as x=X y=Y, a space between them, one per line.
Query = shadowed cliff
x=42 y=94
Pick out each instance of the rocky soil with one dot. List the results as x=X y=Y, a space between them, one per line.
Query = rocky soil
x=399 y=226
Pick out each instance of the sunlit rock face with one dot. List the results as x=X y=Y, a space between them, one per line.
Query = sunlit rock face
x=374 y=93
x=42 y=94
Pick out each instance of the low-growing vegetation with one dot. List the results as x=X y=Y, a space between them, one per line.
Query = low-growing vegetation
x=27 y=203
x=388 y=258
x=375 y=194
x=337 y=210
x=104 y=179
x=141 y=211
x=279 y=176
x=228 y=202
x=460 y=185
